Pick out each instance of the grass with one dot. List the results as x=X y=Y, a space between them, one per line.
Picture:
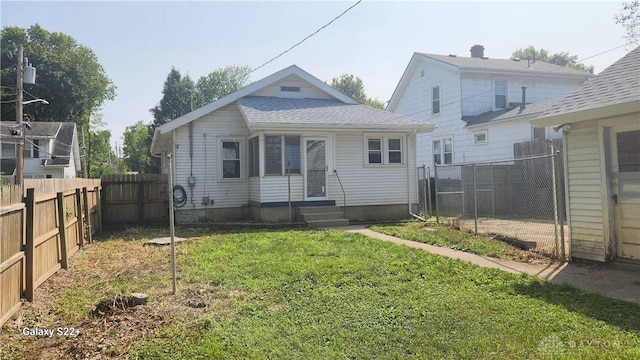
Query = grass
x=326 y=294
x=442 y=235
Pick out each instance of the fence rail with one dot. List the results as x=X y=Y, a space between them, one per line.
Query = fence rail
x=42 y=224
x=519 y=200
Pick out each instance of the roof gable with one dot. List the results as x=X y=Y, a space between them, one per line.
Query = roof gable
x=251 y=89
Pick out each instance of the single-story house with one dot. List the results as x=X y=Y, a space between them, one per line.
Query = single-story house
x=290 y=139
x=601 y=126
x=50 y=149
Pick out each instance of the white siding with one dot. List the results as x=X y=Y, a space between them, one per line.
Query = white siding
x=369 y=185
x=306 y=90
x=224 y=123
x=276 y=189
x=254 y=189
x=585 y=194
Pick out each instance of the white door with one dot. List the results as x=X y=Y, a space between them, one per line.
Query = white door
x=625 y=182
x=315 y=168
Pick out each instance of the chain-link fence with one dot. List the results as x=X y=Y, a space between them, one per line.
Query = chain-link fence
x=518 y=200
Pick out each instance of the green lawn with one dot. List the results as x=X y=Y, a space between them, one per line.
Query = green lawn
x=442 y=235
x=330 y=294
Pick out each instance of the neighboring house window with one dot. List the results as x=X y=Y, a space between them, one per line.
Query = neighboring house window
x=31 y=149
x=443 y=151
x=276 y=160
x=230 y=159
x=8 y=150
x=394 y=151
x=435 y=100
x=254 y=157
x=538 y=133
x=383 y=150
x=480 y=137
x=375 y=151
x=500 y=94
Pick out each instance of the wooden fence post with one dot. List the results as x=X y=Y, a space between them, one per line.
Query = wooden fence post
x=79 y=217
x=87 y=214
x=62 y=230
x=29 y=250
x=98 y=205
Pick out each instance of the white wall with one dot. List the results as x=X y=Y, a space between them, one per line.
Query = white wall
x=208 y=131
x=306 y=90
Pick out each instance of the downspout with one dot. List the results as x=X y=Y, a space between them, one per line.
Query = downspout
x=416 y=216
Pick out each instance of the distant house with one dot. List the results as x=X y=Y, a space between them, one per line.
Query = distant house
x=232 y=156
x=601 y=126
x=50 y=149
x=478 y=104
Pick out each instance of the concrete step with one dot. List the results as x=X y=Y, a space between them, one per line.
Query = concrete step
x=318 y=209
x=328 y=223
x=323 y=216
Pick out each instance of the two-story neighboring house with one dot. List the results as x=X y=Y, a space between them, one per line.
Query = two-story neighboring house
x=481 y=106
x=50 y=149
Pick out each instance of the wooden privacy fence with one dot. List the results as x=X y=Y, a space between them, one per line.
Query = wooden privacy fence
x=134 y=199
x=40 y=231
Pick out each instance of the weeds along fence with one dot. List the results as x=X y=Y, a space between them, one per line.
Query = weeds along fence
x=517 y=200
x=42 y=224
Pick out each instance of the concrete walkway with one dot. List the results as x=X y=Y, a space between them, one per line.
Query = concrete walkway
x=603 y=279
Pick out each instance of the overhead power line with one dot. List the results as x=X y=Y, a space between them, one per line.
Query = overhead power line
x=306 y=38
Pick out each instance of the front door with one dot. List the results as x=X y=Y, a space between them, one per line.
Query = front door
x=316 y=168
x=625 y=182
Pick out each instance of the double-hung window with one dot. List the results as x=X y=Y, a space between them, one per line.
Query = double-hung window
x=254 y=156
x=278 y=161
x=383 y=150
x=8 y=150
x=230 y=159
x=443 y=151
x=500 y=94
x=435 y=100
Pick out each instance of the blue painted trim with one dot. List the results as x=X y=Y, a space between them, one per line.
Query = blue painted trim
x=293 y=203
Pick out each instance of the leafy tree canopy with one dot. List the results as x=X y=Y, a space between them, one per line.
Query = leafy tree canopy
x=353 y=87
x=69 y=76
x=137 y=146
x=629 y=18
x=562 y=58
x=100 y=156
x=220 y=83
x=176 y=98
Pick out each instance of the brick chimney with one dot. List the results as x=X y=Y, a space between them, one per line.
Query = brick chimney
x=477 y=51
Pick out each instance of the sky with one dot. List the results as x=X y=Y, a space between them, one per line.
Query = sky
x=137 y=42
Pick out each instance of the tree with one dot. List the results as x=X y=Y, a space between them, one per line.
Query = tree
x=69 y=76
x=629 y=18
x=562 y=58
x=353 y=87
x=137 y=146
x=220 y=83
x=176 y=98
x=100 y=156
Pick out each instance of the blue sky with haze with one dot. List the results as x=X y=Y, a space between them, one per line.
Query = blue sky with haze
x=138 y=42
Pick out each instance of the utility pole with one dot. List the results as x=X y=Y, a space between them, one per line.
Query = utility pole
x=20 y=146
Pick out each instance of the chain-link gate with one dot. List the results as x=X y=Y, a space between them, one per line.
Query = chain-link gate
x=517 y=200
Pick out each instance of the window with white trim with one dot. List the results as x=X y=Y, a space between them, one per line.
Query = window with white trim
x=500 y=94
x=8 y=151
x=480 y=137
x=538 y=133
x=31 y=149
x=383 y=150
x=277 y=160
x=435 y=100
x=254 y=157
x=443 y=151
x=231 y=163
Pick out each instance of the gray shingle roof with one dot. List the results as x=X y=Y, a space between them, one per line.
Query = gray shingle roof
x=511 y=112
x=619 y=83
x=505 y=65
x=319 y=112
